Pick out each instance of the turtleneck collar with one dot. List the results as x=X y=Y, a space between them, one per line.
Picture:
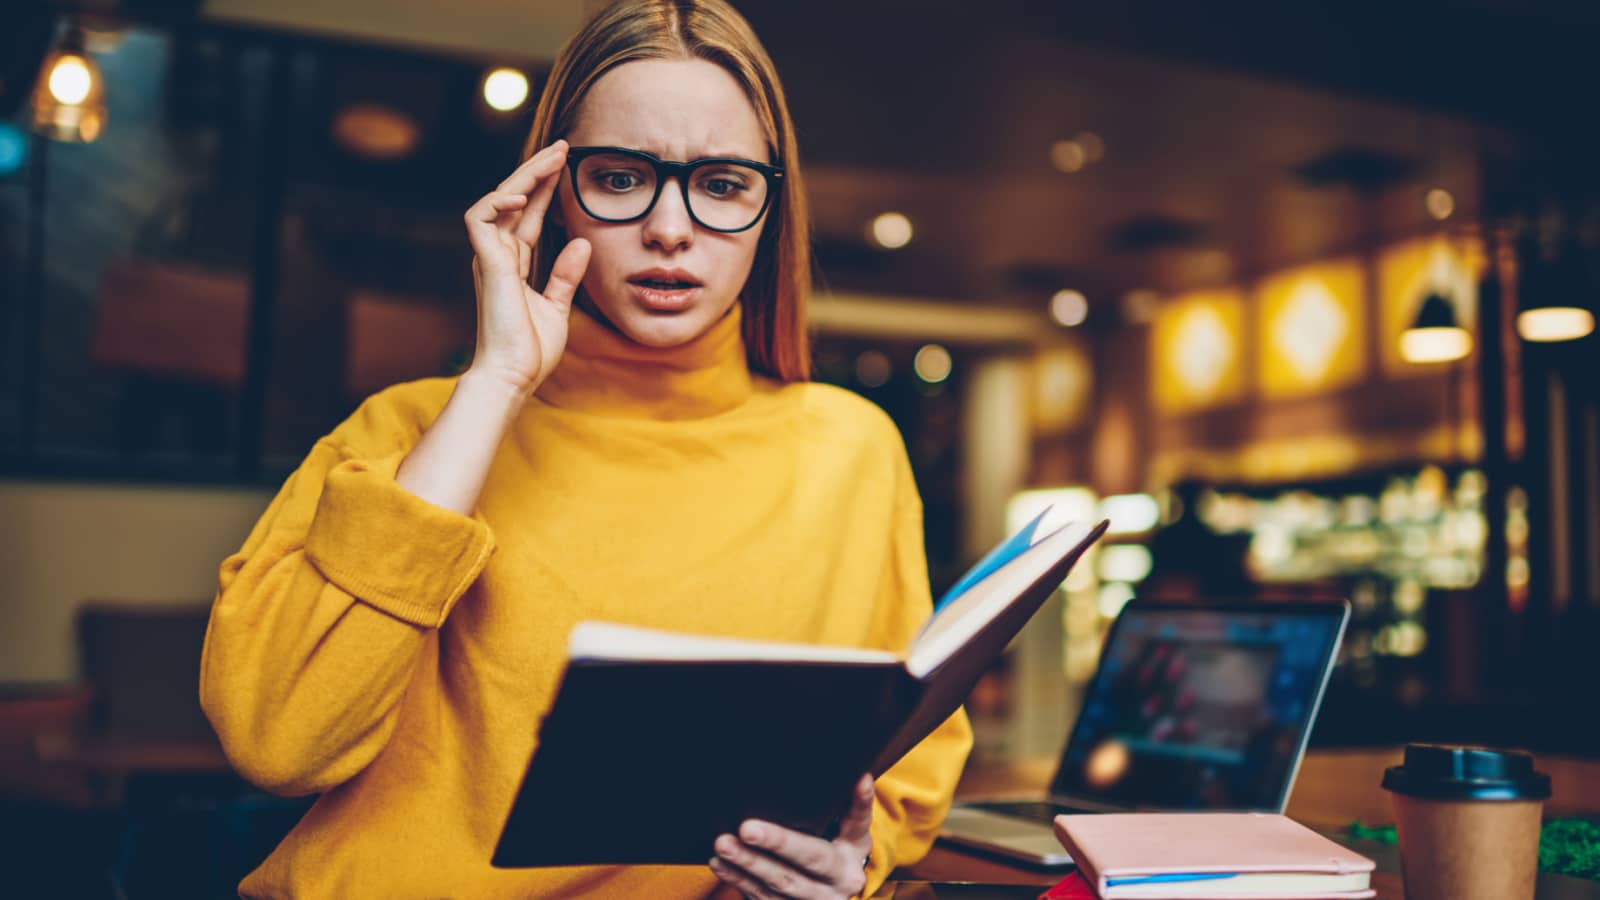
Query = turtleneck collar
x=604 y=372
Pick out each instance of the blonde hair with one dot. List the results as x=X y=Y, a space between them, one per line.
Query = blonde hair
x=774 y=296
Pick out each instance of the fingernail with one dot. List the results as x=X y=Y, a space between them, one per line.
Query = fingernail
x=755 y=833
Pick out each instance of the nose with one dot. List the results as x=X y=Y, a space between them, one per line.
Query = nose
x=668 y=225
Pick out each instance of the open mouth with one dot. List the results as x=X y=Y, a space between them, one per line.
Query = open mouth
x=658 y=285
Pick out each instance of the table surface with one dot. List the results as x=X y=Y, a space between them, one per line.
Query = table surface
x=1334 y=788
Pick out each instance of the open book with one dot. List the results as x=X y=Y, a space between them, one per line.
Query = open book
x=658 y=742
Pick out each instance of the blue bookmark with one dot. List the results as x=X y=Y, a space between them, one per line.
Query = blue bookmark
x=1173 y=877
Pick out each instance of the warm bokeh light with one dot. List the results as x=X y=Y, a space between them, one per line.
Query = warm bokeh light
x=1431 y=345
x=71 y=79
x=1107 y=764
x=1112 y=597
x=1068 y=156
x=1069 y=308
x=1063 y=386
x=1440 y=204
x=505 y=89
x=873 y=368
x=1094 y=149
x=1130 y=513
x=932 y=363
x=1139 y=306
x=1554 y=323
x=891 y=230
x=376 y=131
x=1126 y=563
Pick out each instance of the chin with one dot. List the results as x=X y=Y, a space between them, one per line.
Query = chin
x=660 y=330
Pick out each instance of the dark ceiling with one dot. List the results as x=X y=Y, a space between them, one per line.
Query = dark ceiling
x=1239 y=136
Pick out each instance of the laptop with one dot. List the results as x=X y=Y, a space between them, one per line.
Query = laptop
x=1192 y=708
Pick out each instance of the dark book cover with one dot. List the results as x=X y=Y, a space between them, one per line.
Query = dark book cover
x=646 y=761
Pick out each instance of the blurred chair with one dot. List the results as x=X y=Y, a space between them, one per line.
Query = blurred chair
x=186 y=825
x=35 y=716
x=144 y=662
x=173 y=321
x=392 y=339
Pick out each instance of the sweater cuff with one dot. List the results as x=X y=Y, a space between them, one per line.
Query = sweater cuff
x=391 y=549
x=880 y=863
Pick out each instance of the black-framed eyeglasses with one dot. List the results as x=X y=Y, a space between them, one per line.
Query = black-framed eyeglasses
x=726 y=194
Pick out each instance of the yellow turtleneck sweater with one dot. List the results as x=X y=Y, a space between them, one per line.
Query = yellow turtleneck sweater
x=398 y=657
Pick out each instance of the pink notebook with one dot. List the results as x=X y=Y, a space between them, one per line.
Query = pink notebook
x=1174 y=856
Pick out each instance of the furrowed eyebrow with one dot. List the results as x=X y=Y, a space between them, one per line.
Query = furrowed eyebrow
x=715 y=154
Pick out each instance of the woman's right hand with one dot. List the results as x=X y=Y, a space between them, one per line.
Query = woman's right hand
x=521 y=332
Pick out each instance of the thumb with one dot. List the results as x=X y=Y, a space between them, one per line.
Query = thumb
x=567 y=273
x=857 y=825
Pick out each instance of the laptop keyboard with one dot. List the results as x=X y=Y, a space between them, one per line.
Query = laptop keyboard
x=1034 y=810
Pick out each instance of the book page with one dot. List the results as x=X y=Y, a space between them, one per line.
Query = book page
x=608 y=641
x=1003 y=553
x=965 y=615
x=1231 y=885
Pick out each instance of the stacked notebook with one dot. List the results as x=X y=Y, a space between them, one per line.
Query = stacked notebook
x=1175 y=856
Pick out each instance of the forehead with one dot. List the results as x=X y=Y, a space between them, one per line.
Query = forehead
x=675 y=108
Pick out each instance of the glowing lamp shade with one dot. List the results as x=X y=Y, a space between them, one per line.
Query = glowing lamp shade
x=1554 y=323
x=1557 y=299
x=69 y=101
x=1435 y=336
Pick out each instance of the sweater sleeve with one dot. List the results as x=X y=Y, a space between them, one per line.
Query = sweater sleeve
x=915 y=794
x=322 y=615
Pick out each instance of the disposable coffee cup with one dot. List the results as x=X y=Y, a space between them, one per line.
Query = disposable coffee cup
x=1468 y=820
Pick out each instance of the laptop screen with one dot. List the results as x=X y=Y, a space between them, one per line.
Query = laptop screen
x=1198 y=707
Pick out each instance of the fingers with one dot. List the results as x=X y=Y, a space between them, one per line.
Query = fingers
x=527 y=175
x=567 y=272
x=765 y=840
x=549 y=175
x=857 y=825
x=759 y=875
x=746 y=884
x=482 y=220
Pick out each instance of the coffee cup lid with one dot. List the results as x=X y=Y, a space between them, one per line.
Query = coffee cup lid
x=1445 y=772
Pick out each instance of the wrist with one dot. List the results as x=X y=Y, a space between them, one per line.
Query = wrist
x=489 y=392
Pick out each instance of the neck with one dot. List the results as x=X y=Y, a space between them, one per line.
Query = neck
x=604 y=372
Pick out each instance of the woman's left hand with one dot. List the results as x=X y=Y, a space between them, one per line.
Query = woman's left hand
x=765 y=861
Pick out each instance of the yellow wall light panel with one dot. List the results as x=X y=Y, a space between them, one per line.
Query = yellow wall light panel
x=1311 y=328
x=1197 y=351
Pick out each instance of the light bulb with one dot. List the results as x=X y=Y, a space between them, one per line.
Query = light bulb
x=71 y=80
x=505 y=89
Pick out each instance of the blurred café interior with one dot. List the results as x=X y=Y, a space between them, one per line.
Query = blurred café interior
x=1300 y=296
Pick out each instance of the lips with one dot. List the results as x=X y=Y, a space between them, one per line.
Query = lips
x=665 y=280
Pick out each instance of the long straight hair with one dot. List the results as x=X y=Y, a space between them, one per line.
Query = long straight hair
x=774 y=296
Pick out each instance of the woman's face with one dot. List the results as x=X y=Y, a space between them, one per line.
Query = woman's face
x=677 y=110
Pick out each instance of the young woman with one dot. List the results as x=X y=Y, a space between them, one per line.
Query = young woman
x=637 y=443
